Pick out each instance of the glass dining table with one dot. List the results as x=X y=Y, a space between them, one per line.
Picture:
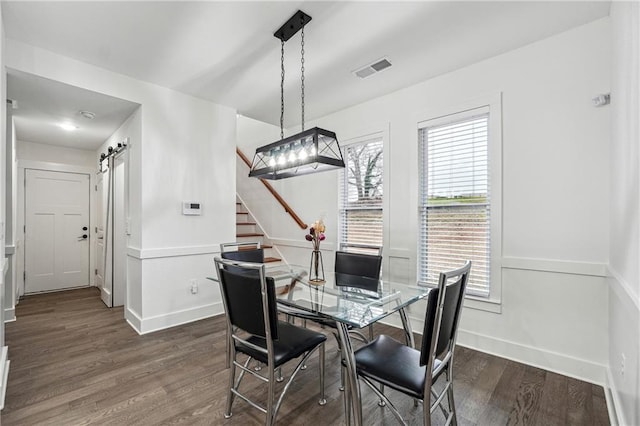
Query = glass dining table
x=352 y=302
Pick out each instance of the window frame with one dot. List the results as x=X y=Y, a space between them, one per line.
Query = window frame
x=493 y=103
x=374 y=136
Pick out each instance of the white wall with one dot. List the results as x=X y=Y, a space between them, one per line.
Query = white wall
x=555 y=171
x=4 y=366
x=624 y=242
x=186 y=152
x=54 y=154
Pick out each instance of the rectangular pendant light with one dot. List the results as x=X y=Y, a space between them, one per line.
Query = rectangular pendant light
x=311 y=151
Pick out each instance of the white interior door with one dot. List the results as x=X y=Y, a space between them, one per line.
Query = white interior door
x=119 y=232
x=56 y=230
x=111 y=248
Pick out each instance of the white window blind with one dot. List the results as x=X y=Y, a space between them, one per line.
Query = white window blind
x=455 y=213
x=360 y=192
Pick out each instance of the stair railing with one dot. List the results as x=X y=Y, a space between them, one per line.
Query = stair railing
x=283 y=203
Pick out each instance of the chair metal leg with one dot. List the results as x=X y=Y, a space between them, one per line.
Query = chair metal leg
x=426 y=411
x=406 y=324
x=279 y=377
x=452 y=405
x=381 y=402
x=230 y=395
x=322 y=400
x=271 y=396
x=346 y=398
x=352 y=379
x=382 y=396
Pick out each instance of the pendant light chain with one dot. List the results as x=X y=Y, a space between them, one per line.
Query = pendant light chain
x=302 y=72
x=282 y=89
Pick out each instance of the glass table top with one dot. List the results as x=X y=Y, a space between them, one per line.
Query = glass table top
x=354 y=300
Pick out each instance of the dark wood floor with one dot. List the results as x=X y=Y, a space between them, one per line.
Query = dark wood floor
x=73 y=361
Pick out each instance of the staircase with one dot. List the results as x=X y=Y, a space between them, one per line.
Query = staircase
x=248 y=230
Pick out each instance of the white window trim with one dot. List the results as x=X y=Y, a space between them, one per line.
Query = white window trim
x=493 y=302
x=381 y=130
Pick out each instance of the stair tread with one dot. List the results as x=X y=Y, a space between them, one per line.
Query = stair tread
x=246 y=223
x=264 y=246
x=271 y=259
x=242 y=212
x=250 y=234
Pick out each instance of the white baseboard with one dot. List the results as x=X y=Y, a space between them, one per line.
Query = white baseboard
x=616 y=414
x=160 y=322
x=133 y=319
x=4 y=374
x=105 y=294
x=10 y=314
x=566 y=365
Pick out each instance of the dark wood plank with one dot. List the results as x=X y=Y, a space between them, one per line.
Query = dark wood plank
x=74 y=361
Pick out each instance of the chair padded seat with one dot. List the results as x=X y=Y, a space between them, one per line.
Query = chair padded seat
x=292 y=342
x=388 y=361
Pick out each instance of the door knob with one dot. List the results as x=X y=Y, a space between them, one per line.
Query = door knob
x=83 y=237
x=84 y=228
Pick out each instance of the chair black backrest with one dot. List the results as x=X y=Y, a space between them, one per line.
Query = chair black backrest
x=253 y=256
x=364 y=265
x=243 y=300
x=453 y=284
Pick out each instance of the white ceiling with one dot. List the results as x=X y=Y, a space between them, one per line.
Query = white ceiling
x=42 y=105
x=225 y=51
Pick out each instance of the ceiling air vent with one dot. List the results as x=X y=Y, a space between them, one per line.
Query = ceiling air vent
x=376 y=67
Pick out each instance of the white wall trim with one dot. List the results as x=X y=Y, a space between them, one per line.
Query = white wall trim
x=548 y=360
x=172 y=319
x=133 y=319
x=614 y=406
x=4 y=374
x=55 y=167
x=155 y=253
x=10 y=314
x=105 y=293
x=557 y=266
x=624 y=286
x=287 y=242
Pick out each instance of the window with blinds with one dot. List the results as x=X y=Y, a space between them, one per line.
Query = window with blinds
x=360 y=192
x=455 y=207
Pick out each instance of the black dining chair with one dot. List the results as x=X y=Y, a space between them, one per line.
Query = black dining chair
x=252 y=323
x=247 y=251
x=387 y=362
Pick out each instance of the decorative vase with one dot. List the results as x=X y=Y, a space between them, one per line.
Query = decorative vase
x=316 y=268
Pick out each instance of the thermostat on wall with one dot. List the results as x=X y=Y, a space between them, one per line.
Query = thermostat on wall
x=191 y=208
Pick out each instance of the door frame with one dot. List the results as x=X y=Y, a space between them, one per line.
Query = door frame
x=23 y=165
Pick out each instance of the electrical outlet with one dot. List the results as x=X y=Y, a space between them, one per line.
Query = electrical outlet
x=194 y=286
x=623 y=360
